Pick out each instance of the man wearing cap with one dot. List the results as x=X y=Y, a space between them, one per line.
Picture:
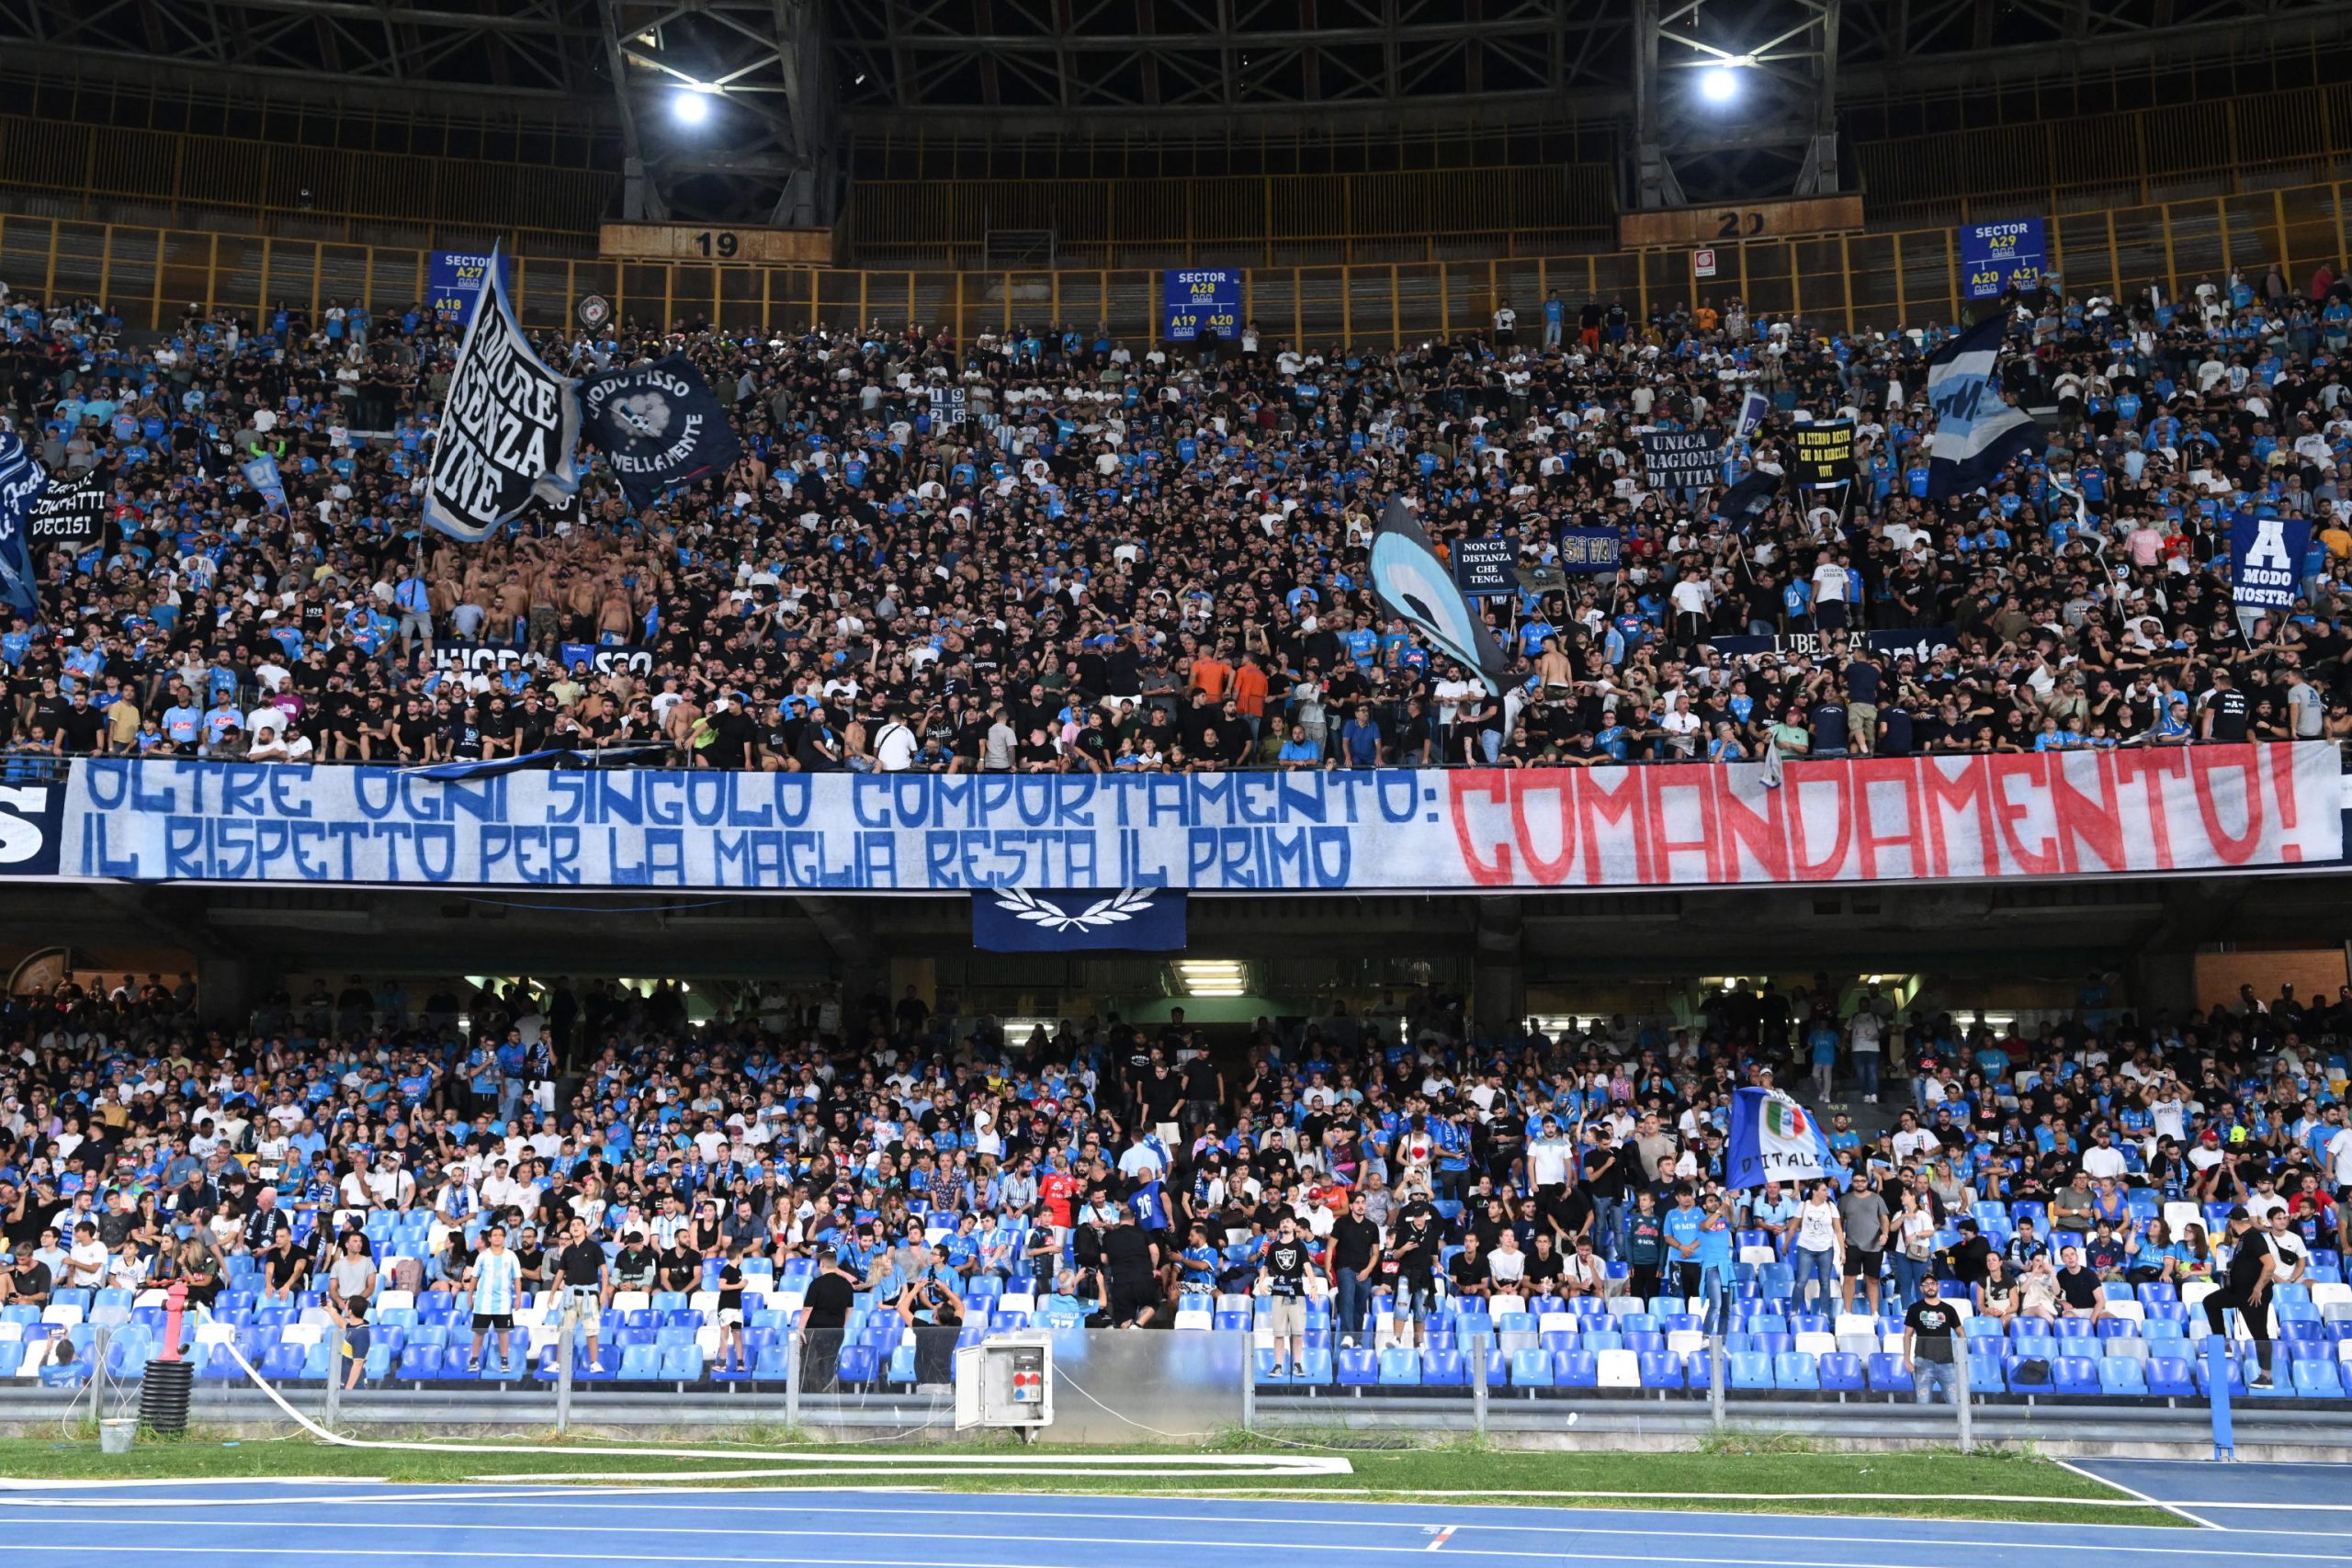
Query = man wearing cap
x=2246 y=1286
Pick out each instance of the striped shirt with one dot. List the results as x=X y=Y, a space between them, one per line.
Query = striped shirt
x=497 y=1278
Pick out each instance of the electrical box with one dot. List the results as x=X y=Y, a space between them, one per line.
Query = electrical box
x=1005 y=1382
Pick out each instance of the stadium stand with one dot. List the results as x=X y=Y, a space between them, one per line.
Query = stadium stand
x=1407 y=1209
x=1123 y=561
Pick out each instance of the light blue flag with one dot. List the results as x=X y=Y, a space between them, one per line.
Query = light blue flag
x=261 y=475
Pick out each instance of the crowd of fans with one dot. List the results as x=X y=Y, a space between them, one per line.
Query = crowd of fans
x=1124 y=558
x=603 y=1142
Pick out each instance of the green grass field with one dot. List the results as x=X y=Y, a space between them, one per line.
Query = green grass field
x=1917 y=1484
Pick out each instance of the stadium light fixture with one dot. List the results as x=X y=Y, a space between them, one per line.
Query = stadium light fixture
x=1719 y=84
x=692 y=106
x=1214 y=976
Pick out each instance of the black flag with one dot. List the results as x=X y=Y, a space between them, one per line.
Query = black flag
x=69 y=515
x=658 y=426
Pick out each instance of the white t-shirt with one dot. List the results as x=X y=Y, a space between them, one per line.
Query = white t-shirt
x=1547 y=1161
x=894 y=748
x=1817 y=1227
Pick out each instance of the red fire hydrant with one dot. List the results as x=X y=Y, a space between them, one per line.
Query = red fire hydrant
x=175 y=1304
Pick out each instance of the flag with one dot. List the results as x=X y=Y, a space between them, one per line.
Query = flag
x=1825 y=453
x=262 y=476
x=1414 y=584
x=1749 y=499
x=1775 y=1139
x=1977 y=434
x=658 y=426
x=1151 y=1205
x=1753 y=409
x=21 y=483
x=72 y=514
x=1681 y=459
x=508 y=425
x=1131 y=919
x=2266 y=561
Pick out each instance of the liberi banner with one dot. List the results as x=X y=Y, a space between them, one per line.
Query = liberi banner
x=2051 y=814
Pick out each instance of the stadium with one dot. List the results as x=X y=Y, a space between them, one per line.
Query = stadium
x=986 y=783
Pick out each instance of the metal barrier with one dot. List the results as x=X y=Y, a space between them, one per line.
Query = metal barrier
x=1873 y=279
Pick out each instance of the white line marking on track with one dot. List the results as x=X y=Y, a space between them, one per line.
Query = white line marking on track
x=2134 y=1491
x=1442 y=1536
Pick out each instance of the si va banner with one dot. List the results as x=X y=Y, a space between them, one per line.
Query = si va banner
x=1132 y=920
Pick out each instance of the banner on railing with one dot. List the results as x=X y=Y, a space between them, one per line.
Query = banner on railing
x=2049 y=814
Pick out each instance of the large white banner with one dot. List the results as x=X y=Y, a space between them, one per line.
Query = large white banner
x=2055 y=814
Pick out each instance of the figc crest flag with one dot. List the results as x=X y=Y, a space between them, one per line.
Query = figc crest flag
x=1775 y=1139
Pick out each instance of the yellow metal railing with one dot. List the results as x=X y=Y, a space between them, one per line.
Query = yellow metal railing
x=151 y=276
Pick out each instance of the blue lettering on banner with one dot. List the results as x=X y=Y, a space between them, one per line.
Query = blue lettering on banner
x=183 y=820
x=2168 y=811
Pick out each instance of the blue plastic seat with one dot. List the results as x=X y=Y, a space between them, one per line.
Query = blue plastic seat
x=420 y=1361
x=2122 y=1375
x=1841 y=1370
x=2315 y=1378
x=1749 y=1369
x=1576 y=1369
x=1532 y=1369
x=1888 y=1374
x=2075 y=1374
x=1400 y=1367
x=1796 y=1370
x=2171 y=1376
x=1443 y=1368
x=857 y=1363
x=640 y=1362
x=773 y=1364
x=1357 y=1367
x=1661 y=1369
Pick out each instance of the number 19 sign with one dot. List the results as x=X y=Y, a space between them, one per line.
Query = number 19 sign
x=1997 y=257
x=1201 y=300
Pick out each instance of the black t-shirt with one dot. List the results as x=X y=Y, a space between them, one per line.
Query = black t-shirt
x=2246 y=1262
x=2079 y=1287
x=1287 y=1268
x=1126 y=1252
x=1352 y=1241
x=1931 y=1323
x=829 y=1300
x=580 y=1263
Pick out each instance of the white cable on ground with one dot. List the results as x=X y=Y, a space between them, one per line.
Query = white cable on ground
x=837 y=1463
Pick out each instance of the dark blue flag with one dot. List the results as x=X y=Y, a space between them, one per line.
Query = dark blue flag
x=658 y=426
x=1131 y=919
x=21 y=483
x=1977 y=433
x=2266 y=561
x=1749 y=499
